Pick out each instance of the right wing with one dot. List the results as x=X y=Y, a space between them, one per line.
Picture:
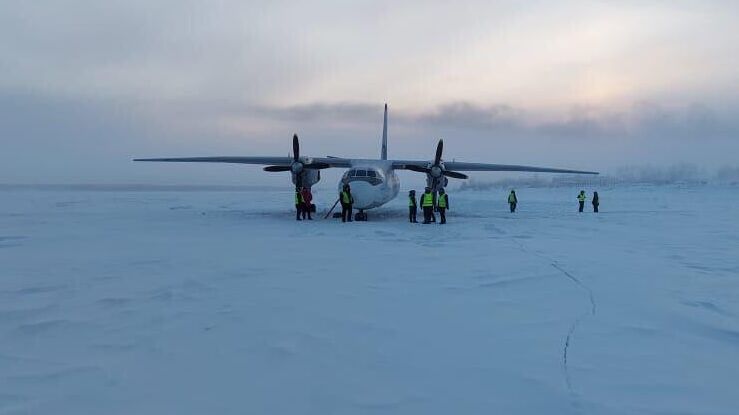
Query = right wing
x=278 y=161
x=240 y=160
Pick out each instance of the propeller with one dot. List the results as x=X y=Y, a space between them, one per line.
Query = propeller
x=437 y=170
x=455 y=175
x=298 y=165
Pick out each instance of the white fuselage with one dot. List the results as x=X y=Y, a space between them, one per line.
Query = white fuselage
x=373 y=183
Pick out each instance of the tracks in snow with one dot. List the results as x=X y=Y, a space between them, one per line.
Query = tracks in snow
x=571 y=332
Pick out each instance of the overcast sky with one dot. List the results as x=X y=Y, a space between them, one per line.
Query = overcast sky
x=85 y=85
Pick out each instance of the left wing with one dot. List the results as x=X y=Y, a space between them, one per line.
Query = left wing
x=451 y=166
x=462 y=166
x=437 y=167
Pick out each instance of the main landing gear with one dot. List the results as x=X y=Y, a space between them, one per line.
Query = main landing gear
x=360 y=216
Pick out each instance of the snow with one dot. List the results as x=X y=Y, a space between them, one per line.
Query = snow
x=128 y=302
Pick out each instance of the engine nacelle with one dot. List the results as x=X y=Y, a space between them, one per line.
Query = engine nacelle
x=436 y=184
x=309 y=177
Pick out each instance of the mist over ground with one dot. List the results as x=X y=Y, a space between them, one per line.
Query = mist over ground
x=678 y=174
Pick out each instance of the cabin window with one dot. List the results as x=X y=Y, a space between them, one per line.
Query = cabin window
x=361 y=173
x=371 y=173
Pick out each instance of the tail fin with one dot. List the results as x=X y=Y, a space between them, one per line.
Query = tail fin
x=383 y=153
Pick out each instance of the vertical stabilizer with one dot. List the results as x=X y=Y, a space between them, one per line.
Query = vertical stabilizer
x=383 y=153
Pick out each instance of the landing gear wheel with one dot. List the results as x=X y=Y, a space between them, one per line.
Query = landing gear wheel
x=360 y=217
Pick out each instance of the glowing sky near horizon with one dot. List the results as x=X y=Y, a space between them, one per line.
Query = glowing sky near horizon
x=222 y=68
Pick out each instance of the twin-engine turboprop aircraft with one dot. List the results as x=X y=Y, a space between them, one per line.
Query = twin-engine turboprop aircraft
x=373 y=181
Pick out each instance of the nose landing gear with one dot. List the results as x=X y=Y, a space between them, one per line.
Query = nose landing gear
x=360 y=216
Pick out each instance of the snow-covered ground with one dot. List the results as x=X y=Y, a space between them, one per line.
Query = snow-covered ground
x=220 y=303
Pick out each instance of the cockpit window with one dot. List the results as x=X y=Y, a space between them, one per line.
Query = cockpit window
x=371 y=176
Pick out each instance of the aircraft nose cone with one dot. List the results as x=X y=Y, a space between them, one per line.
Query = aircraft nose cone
x=363 y=194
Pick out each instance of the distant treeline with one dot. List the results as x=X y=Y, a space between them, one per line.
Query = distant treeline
x=647 y=175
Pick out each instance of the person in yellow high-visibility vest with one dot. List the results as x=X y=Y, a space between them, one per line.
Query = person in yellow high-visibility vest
x=427 y=204
x=512 y=200
x=412 y=207
x=581 y=200
x=347 y=200
x=442 y=204
x=298 y=203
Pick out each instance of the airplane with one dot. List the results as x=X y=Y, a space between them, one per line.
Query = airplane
x=373 y=182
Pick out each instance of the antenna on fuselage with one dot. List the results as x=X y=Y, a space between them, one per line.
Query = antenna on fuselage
x=383 y=152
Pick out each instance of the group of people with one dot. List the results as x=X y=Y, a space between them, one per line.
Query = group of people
x=303 y=203
x=581 y=198
x=429 y=204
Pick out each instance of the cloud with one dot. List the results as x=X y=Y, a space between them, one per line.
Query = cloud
x=353 y=112
x=693 y=121
x=416 y=53
x=82 y=140
x=85 y=85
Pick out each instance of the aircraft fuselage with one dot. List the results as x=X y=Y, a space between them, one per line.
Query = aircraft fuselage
x=373 y=183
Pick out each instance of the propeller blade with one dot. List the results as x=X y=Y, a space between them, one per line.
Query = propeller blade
x=316 y=166
x=439 y=149
x=296 y=148
x=276 y=168
x=455 y=175
x=417 y=168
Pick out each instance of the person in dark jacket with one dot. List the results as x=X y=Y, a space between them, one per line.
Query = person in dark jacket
x=347 y=200
x=307 y=202
x=412 y=207
x=427 y=204
x=298 y=203
x=442 y=204
x=595 y=202
x=581 y=200
x=432 y=215
x=512 y=200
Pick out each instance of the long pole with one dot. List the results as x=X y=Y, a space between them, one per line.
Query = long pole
x=332 y=209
